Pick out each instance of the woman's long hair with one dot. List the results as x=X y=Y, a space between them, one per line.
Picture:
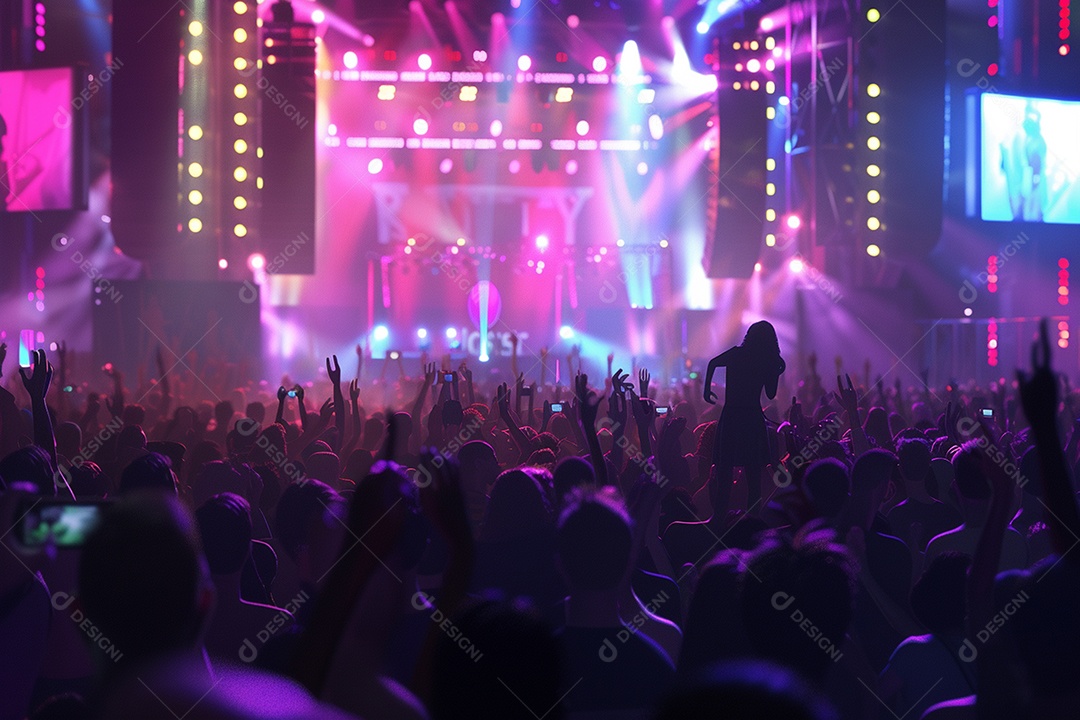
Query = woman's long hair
x=761 y=339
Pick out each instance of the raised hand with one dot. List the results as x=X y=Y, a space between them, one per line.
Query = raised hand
x=847 y=397
x=618 y=381
x=299 y=390
x=1039 y=391
x=326 y=411
x=354 y=391
x=3 y=355
x=333 y=371
x=643 y=382
x=282 y=393
x=464 y=371
x=588 y=403
x=430 y=373
x=37 y=383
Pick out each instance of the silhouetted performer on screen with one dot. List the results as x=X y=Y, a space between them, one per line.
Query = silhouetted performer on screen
x=741 y=438
x=1024 y=164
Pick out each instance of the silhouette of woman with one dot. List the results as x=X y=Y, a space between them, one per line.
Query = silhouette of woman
x=741 y=438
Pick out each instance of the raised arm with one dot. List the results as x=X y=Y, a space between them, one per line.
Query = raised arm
x=334 y=373
x=37 y=385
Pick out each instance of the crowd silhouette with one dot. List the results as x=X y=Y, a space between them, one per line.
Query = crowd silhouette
x=610 y=550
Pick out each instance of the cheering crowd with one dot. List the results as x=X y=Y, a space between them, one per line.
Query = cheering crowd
x=435 y=547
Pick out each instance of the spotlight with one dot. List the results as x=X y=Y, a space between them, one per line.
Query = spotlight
x=451 y=333
x=796 y=266
x=223 y=264
x=873 y=142
x=195 y=170
x=424 y=61
x=318 y=16
x=240 y=174
x=240 y=230
x=753 y=65
x=381 y=332
x=420 y=126
x=350 y=60
x=757 y=267
x=564 y=94
x=873 y=250
x=793 y=222
x=375 y=166
x=195 y=132
x=240 y=146
x=599 y=64
x=566 y=332
x=571 y=167
x=542 y=242
x=872 y=223
x=240 y=35
x=642 y=168
x=387 y=92
x=702 y=27
x=496 y=128
x=656 y=127
x=524 y=63
x=195 y=197
x=514 y=167
x=583 y=127
x=467 y=93
x=195 y=57
x=194 y=225
x=967 y=312
x=873 y=90
x=645 y=96
x=421 y=333
x=446 y=165
x=256 y=261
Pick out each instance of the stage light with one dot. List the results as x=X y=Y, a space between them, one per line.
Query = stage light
x=420 y=126
x=793 y=222
x=873 y=250
x=195 y=57
x=564 y=94
x=542 y=242
x=583 y=127
x=195 y=170
x=387 y=92
x=753 y=44
x=796 y=265
x=240 y=174
x=770 y=87
x=239 y=202
x=770 y=239
x=240 y=64
x=757 y=267
x=642 y=168
x=467 y=93
x=240 y=119
x=702 y=27
x=524 y=63
x=240 y=35
x=873 y=142
x=223 y=264
x=195 y=28
x=271 y=59
x=770 y=189
x=873 y=170
x=318 y=16
x=663 y=242
x=566 y=332
x=496 y=128
x=451 y=333
x=770 y=164
x=424 y=61
x=754 y=85
x=375 y=166
x=873 y=196
x=194 y=197
x=599 y=64
x=753 y=65
x=240 y=8
x=873 y=117
x=573 y=21
x=645 y=96
x=967 y=312
x=872 y=223
x=873 y=90
x=446 y=165
x=770 y=215
x=381 y=332
x=240 y=146
x=571 y=167
x=460 y=242
x=479 y=55
x=514 y=167
x=770 y=64
x=421 y=333
x=195 y=132
x=240 y=91
x=873 y=15
x=350 y=60
x=194 y=225
x=656 y=127
x=240 y=230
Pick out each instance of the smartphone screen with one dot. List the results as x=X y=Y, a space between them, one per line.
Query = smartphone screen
x=556 y=407
x=987 y=412
x=662 y=410
x=448 y=377
x=67 y=523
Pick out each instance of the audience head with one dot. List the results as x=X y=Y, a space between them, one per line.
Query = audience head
x=939 y=598
x=914 y=457
x=593 y=541
x=151 y=471
x=29 y=464
x=225 y=528
x=142 y=580
x=517 y=507
x=308 y=524
x=828 y=486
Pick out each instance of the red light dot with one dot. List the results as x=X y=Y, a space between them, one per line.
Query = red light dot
x=41 y=272
x=992 y=3
x=992 y=69
x=992 y=21
x=1063 y=23
x=1063 y=299
x=1063 y=35
x=1063 y=263
x=992 y=287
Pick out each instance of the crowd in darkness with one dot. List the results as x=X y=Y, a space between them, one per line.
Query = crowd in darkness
x=435 y=547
